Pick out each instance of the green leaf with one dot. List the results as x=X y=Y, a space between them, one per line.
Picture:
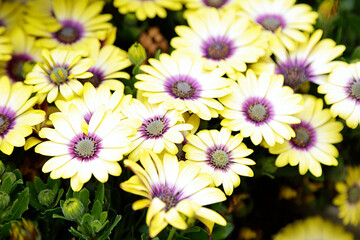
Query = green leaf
x=21 y=204
x=182 y=238
x=222 y=232
x=144 y=236
x=197 y=233
x=39 y=184
x=60 y=193
x=86 y=219
x=34 y=201
x=157 y=54
x=96 y=209
x=59 y=216
x=84 y=198
x=6 y=185
x=103 y=217
x=14 y=185
x=99 y=194
x=105 y=235
x=78 y=234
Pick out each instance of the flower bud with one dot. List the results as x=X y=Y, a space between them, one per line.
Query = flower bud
x=10 y=175
x=27 y=67
x=2 y=168
x=328 y=8
x=137 y=54
x=72 y=208
x=4 y=199
x=46 y=197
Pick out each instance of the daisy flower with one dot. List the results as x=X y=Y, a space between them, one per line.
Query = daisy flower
x=313 y=140
x=5 y=46
x=261 y=108
x=80 y=150
x=81 y=24
x=147 y=9
x=94 y=98
x=196 y=6
x=180 y=83
x=343 y=93
x=311 y=60
x=109 y=61
x=221 y=38
x=172 y=190
x=348 y=198
x=221 y=155
x=16 y=114
x=281 y=19
x=59 y=72
x=313 y=228
x=24 y=51
x=160 y=129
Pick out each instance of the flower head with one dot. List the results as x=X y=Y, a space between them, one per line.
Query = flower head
x=221 y=155
x=222 y=39
x=343 y=93
x=313 y=140
x=17 y=117
x=59 y=71
x=180 y=83
x=261 y=108
x=171 y=189
x=80 y=149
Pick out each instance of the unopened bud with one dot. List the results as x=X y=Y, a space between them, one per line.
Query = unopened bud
x=72 y=208
x=4 y=199
x=27 y=67
x=46 y=197
x=328 y=8
x=137 y=54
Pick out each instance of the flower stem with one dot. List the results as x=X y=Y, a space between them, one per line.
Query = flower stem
x=171 y=233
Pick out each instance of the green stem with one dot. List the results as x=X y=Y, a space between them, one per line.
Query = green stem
x=171 y=233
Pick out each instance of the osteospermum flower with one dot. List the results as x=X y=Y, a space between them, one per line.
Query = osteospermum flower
x=59 y=72
x=281 y=19
x=311 y=60
x=348 y=198
x=94 y=98
x=160 y=129
x=343 y=93
x=222 y=39
x=24 y=51
x=16 y=114
x=109 y=61
x=80 y=150
x=147 y=9
x=313 y=228
x=221 y=155
x=180 y=83
x=81 y=23
x=172 y=190
x=261 y=108
x=313 y=140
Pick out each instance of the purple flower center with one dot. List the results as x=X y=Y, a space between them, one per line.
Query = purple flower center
x=85 y=147
x=154 y=127
x=215 y=3
x=304 y=136
x=14 y=67
x=294 y=72
x=354 y=89
x=257 y=110
x=271 y=22
x=218 y=48
x=183 y=87
x=70 y=33
x=4 y=123
x=219 y=157
x=353 y=194
x=96 y=79
x=167 y=195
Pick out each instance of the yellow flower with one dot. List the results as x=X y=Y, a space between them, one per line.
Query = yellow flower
x=281 y=19
x=348 y=198
x=172 y=190
x=313 y=140
x=24 y=51
x=223 y=39
x=261 y=108
x=313 y=228
x=11 y=14
x=343 y=93
x=16 y=114
x=180 y=83
x=5 y=46
x=59 y=71
x=147 y=9
x=77 y=24
x=160 y=130
x=79 y=149
x=221 y=155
